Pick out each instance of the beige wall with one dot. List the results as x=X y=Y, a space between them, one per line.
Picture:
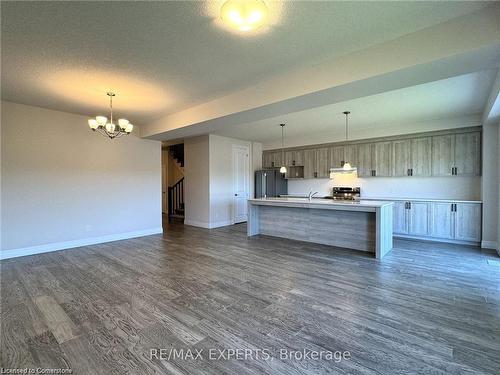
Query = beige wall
x=208 y=177
x=61 y=182
x=196 y=182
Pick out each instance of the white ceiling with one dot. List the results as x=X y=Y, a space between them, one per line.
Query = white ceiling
x=449 y=98
x=161 y=57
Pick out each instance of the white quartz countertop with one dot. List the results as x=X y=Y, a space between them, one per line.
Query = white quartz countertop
x=422 y=200
x=361 y=205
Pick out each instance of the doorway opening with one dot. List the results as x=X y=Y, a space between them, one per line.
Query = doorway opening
x=173 y=184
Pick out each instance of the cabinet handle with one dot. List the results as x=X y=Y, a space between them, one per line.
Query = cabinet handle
x=408 y=172
x=452 y=171
x=272 y=164
x=315 y=174
x=374 y=172
x=411 y=171
x=456 y=171
x=293 y=162
x=406 y=205
x=409 y=205
x=452 y=207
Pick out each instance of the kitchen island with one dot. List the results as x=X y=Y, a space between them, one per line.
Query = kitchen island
x=359 y=225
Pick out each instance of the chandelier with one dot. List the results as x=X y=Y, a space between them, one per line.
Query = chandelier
x=109 y=129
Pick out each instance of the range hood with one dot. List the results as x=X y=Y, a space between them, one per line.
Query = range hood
x=346 y=169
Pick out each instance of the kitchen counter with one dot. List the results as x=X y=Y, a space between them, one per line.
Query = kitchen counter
x=360 y=225
x=422 y=200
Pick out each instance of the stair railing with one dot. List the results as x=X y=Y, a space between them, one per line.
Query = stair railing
x=176 y=198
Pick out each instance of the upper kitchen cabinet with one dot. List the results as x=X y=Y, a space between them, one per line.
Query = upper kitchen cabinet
x=365 y=163
x=401 y=157
x=382 y=166
x=412 y=157
x=468 y=154
x=456 y=154
x=420 y=156
x=294 y=158
x=337 y=157
x=443 y=155
x=309 y=163
x=271 y=159
x=322 y=163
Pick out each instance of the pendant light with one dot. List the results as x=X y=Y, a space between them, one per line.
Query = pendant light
x=283 y=168
x=347 y=167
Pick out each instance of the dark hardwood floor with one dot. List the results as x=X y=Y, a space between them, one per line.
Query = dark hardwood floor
x=426 y=308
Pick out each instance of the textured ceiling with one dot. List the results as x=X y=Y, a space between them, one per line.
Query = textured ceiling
x=449 y=98
x=161 y=57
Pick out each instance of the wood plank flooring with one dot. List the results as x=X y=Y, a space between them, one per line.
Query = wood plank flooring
x=426 y=308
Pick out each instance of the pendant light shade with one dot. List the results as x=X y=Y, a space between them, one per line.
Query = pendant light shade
x=283 y=168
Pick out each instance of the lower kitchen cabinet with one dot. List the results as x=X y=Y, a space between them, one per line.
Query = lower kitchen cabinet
x=411 y=218
x=456 y=222
x=467 y=222
x=442 y=220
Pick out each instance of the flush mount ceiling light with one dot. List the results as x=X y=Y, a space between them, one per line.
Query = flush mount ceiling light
x=109 y=129
x=347 y=167
x=283 y=168
x=244 y=15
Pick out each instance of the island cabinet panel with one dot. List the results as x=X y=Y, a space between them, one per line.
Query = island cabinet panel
x=365 y=160
x=421 y=152
x=309 y=163
x=336 y=156
x=418 y=218
x=442 y=220
x=401 y=154
x=468 y=154
x=400 y=216
x=322 y=163
x=381 y=164
x=467 y=222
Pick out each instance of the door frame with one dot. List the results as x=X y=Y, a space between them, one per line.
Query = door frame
x=245 y=149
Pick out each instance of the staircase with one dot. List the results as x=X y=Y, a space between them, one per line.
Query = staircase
x=177 y=152
x=176 y=201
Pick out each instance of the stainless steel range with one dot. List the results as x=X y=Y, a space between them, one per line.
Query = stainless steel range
x=346 y=193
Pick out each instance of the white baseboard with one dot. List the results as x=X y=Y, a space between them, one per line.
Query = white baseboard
x=489 y=245
x=219 y=224
x=21 y=252
x=203 y=224
x=196 y=223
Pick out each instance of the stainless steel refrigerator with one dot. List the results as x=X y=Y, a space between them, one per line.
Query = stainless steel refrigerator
x=270 y=183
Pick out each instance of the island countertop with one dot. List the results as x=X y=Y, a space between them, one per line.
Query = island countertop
x=325 y=204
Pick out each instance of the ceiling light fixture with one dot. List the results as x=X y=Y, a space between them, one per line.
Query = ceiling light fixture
x=109 y=129
x=283 y=168
x=347 y=167
x=244 y=15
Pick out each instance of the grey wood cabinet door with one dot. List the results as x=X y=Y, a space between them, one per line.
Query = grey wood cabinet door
x=298 y=157
x=443 y=155
x=309 y=163
x=289 y=158
x=421 y=161
x=468 y=154
x=277 y=159
x=365 y=160
x=336 y=157
x=322 y=163
x=351 y=154
x=382 y=164
x=442 y=220
x=400 y=218
x=401 y=155
x=267 y=159
x=468 y=222
x=418 y=219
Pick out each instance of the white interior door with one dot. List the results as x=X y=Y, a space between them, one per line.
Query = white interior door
x=241 y=188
